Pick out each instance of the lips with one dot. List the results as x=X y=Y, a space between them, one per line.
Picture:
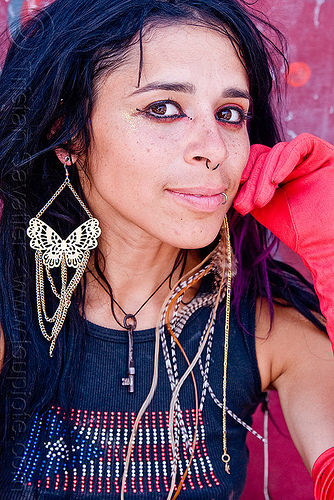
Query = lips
x=203 y=199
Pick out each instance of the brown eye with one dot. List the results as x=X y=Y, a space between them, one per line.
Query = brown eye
x=159 y=109
x=232 y=115
x=226 y=114
x=163 y=110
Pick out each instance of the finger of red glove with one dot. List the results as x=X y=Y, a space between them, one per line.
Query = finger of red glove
x=257 y=168
x=304 y=154
x=288 y=161
x=244 y=201
x=269 y=173
x=266 y=168
x=256 y=150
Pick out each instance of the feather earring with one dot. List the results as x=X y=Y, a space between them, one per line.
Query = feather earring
x=54 y=252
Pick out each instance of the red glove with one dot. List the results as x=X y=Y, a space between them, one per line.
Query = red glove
x=290 y=190
x=323 y=476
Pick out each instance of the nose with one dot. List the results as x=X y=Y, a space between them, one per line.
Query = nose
x=206 y=145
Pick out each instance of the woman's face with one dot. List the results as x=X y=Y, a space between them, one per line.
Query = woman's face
x=147 y=162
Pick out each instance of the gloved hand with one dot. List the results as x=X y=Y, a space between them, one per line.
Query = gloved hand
x=290 y=190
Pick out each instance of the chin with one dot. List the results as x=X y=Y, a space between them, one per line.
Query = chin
x=195 y=242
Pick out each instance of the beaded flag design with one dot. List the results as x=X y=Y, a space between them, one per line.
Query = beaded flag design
x=91 y=459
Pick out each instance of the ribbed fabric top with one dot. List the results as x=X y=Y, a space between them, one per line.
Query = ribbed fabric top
x=81 y=456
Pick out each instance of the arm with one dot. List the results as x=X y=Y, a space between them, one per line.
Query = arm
x=289 y=190
x=297 y=360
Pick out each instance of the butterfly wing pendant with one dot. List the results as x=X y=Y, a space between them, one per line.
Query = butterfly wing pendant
x=45 y=239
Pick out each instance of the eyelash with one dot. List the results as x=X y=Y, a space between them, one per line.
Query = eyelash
x=147 y=111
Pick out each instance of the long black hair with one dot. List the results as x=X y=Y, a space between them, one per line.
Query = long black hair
x=47 y=90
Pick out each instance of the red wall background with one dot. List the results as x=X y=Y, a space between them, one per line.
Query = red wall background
x=308 y=27
x=309 y=107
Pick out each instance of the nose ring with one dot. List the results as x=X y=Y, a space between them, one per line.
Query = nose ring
x=207 y=164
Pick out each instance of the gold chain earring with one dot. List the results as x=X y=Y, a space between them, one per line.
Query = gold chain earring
x=225 y=456
x=54 y=252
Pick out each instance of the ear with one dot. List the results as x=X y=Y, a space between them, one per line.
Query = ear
x=62 y=154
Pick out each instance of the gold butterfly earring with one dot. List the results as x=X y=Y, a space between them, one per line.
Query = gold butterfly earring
x=54 y=252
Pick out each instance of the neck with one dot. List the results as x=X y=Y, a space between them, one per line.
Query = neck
x=134 y=271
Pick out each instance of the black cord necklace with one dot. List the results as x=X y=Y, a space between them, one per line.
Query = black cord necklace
x=130 y=320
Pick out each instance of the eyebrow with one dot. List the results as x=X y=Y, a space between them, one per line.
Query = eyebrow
x=189 y=88
x=186 y=88
x=235 y=93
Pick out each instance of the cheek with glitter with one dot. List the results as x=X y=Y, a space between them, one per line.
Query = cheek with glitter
x=131 y=120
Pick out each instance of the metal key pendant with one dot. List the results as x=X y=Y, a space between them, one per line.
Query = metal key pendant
x=130 y=324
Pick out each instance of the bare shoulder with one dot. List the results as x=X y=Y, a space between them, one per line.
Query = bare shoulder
x=292 y=341
x=297 y=360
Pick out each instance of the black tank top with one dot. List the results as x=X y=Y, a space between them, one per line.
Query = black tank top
x=81 y=456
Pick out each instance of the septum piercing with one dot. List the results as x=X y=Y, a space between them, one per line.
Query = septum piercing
x=207 y=165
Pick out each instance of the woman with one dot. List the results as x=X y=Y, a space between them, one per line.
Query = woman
x=147 y=110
